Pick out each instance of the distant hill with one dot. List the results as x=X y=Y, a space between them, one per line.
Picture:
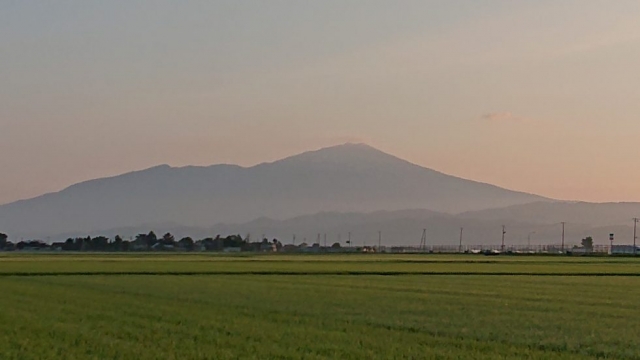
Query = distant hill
x=403 y=227
x=594 y=214
x=345 y=178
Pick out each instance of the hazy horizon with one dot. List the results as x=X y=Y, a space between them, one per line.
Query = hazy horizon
x=536 y=97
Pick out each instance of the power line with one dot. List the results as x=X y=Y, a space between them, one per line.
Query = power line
x=563 y=236
x=529 y=240
x=635 y=224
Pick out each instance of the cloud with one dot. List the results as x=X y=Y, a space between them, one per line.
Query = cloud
x=503 y=116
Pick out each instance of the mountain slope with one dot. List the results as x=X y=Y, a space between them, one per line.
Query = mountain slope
x=594 y=214
x=346 y=178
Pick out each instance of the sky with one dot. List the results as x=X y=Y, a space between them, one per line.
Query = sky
x=538 y=96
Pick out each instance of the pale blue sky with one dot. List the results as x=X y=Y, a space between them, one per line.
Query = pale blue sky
x=539 y=96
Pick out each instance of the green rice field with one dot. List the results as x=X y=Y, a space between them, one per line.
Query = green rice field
x=355 y=306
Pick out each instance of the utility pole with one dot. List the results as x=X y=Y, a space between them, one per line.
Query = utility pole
x=379 y=240
x=294 y=239
x=563 y=236
x=460 y=246
x=635 y=225
x=503 y=232
x=349 y=235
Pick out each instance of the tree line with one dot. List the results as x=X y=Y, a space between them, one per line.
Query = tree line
x=148 y=242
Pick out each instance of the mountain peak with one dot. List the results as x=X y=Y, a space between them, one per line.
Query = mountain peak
x=353 y=145
x=354 y=153
x=345 y=148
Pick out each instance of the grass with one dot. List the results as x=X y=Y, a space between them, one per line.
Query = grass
x=290 y=307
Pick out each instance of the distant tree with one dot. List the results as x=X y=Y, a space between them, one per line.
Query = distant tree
x=69 y=245
x=336 y=245
x=215 y=244
x=168 y=239
x=587 y=243
x=186 y=243
x=77 y=244
x=140 y=242
x=117 y=243
x=209 y=244
x=3 y=240
x=151 y=238
x=87 y=244
x=100 y=243
x=234 y=241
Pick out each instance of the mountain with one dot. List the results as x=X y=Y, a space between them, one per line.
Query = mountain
x=345 y=178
